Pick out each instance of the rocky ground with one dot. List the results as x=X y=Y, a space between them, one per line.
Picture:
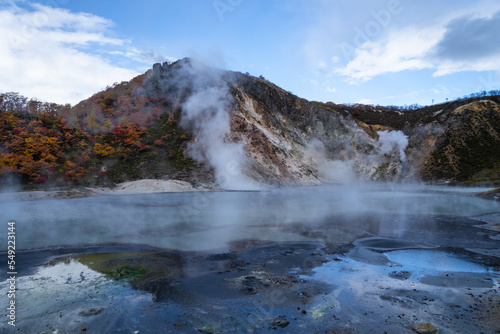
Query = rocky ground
x=493 y=194
x=375 y=285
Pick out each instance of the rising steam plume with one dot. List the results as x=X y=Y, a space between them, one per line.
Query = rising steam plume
x=206 y=113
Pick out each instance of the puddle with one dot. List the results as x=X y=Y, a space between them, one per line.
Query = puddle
x=408 y=287
x=366 y=270
x=443 y=269
x=69 y=297
x=388 y=244
x=431 y=261
x=65 y=272
x=346 y=295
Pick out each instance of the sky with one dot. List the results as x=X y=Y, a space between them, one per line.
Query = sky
x=386 y=52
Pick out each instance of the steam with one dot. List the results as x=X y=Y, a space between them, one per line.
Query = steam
x=331 y=171
x=339 y=212
x=390 y=141
x=206 y=112
x=338 y=171
x=385 y=159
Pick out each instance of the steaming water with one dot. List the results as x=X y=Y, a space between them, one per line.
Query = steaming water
x=212 y=220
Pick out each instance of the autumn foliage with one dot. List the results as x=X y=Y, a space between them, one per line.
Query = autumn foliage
x=122 y=128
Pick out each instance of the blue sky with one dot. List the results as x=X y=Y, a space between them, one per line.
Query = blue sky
x=388 y=52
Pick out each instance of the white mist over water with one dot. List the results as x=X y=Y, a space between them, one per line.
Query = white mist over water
x=204 y=221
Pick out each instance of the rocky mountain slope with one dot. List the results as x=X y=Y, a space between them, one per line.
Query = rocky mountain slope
x=457 y=141
x=217 y=128
x=249 y=130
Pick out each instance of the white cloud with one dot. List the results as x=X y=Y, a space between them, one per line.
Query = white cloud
x=449 y=66
x=50 y=53
x=331 y=89
x=446 y=37
x=401 y=50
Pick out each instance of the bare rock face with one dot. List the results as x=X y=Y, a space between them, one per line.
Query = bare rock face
x=251 y=130
x=291 y=141
x=461 y=144
x=273 y=136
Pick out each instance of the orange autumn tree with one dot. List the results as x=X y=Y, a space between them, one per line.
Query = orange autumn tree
x=128 y=131
x=33 y=142
x=32 y=150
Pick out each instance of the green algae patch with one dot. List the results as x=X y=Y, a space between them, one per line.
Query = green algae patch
x=126 y=273
x=114 y=265
x=320 y=313
x=153 y=272
x=139 y=269
x=95 y=261
x=207 y=329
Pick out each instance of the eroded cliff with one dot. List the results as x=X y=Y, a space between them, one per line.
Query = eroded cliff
x=270 y=135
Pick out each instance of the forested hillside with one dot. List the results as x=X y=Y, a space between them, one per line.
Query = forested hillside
x=109 y=142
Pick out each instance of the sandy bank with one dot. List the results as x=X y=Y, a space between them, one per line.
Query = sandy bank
x=43 y=195
x=148 y=187
x=132 y=187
